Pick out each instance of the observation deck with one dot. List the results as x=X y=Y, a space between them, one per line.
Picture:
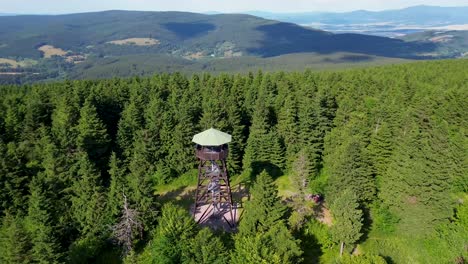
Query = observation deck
x=212 y=152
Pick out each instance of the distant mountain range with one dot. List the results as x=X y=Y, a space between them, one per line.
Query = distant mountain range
x=385 y=23
x=118 y=43
x=182 y=34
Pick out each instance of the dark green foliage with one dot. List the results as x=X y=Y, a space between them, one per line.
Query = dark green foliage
x=350 y=169
x=206 y=248
x=88 y=200
x=92 y=134
x=394 y=136
x=263 y=236
x=347 y=219
x=276 y=245
x=172 y=236
x=264 y=209
x=14 y=241
x=45 y=248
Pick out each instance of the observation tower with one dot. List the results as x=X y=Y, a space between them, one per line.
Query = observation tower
x=213 y=198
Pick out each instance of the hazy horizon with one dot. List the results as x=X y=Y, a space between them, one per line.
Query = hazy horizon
x=207 y=6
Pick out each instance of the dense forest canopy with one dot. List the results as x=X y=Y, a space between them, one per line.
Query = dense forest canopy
x=386 y=147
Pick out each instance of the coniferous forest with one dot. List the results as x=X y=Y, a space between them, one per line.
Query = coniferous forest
x=96 y=171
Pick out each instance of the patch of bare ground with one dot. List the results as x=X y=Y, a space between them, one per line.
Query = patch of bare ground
x=11 y=63
x=76 y=59
x=49 y=51
x=323 y=215
x=136 y=41
x=194 y=56
x=232 y=54
x=442 y=39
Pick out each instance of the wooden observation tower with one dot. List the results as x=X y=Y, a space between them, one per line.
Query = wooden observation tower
x=213 y=199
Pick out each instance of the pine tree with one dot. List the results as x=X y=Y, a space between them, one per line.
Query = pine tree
x=380 y=148
x=92 y=134
x=264 y=209
x=64 y=118
x=118 y=185
x=130 y=122
x=236 y=129
x=276 y=245
x=45 y=248
x=140 y=182
x=176 y=228
x=263 y=150
x=88 y=201
x=348 y=219
x=349 y=168
x=205 y=248
x=416 y=180
x=14 y=241
x=287 y=126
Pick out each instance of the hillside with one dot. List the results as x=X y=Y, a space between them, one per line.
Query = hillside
x=71 y=46
x=390 y=23
x=454 y=42
x=183 y=34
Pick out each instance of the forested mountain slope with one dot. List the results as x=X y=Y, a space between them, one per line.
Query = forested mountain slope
x=184 y=34
x=386 y=146
x=113 y=43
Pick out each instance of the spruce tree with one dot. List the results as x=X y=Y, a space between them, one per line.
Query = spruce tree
x=349 y=168
x=15 y=242
x=39 y=223
x=347 y=225
x=264 y=209
x=130 y=122
x=206 y=248
x=88 y=200
x=140 y=182
x=171 y=238
x=92 y=134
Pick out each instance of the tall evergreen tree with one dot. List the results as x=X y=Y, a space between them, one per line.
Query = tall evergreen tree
x=348 y=218
x=88 y=201
x=45 y=248
x=14 y=241
x=264 y=209
x=130 y=122
x=349 y=168
x=176 y=228
x=206 y=248
x=92 y=134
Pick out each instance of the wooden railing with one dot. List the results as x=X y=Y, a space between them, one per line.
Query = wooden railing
x=210 y=154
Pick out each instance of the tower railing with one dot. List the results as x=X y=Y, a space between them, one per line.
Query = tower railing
x=211 y=153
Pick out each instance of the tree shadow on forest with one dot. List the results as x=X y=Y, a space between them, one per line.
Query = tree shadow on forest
x=258 y=166
x=310 y=246
x=367 y=223
x=286 y=38
x=189 y=30
x=183 y=196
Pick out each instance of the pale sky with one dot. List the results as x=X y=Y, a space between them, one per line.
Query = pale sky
x=225 y=6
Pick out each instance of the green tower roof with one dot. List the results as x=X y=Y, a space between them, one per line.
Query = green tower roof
x=212 y=137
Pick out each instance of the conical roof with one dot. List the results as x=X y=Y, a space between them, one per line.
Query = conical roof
x=212 y=137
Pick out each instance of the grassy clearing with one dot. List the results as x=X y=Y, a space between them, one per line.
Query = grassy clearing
x=12 y=63
x=15 y=64
x=136 y=41
x=285 y=188
x=49 y=51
